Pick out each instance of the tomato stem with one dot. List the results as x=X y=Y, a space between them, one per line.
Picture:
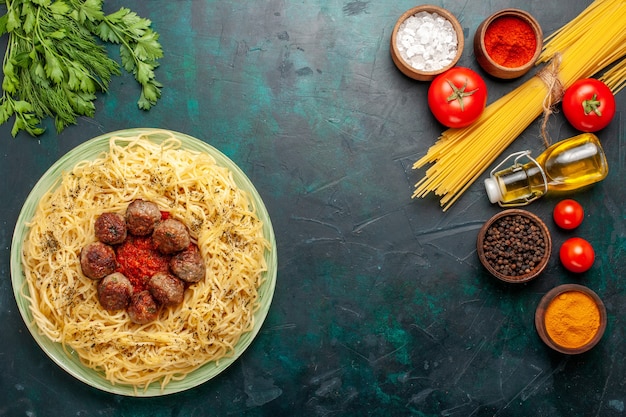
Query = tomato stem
x=592 y=105
x=460 y=93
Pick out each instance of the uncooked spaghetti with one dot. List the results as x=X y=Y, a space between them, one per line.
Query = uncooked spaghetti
x=615 y=77
x=588 y=44
x=215 y=312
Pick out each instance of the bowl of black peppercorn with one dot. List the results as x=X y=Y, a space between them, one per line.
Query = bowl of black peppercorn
x=514 y=245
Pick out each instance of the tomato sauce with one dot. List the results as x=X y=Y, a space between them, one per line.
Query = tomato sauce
x=138 y=259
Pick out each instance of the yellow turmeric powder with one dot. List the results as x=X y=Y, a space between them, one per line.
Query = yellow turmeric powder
x=572 y=319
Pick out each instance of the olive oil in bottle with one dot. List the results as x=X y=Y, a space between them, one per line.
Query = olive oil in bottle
x=565 y=166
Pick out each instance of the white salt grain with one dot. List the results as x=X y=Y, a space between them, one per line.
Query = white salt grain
x=427 y=41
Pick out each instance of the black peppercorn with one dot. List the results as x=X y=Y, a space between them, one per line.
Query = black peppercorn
x=514 y=245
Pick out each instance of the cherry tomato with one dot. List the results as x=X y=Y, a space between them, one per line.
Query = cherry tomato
x=457 y=97
x=589 y=105
x=577 y=255
x=568 y=214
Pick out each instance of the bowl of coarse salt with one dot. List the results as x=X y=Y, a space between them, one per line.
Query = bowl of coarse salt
x=426 y=41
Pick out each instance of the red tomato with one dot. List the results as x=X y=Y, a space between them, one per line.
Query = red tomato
x=568 y=214
x=457 y=97
x=577 y=255
x=589 y=105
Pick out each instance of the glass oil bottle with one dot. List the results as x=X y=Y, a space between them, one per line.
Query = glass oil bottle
x=564 y=166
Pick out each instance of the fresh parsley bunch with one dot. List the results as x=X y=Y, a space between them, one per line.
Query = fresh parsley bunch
x=56 y=61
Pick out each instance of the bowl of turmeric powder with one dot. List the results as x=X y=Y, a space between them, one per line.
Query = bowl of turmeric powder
x=570 y=319
x=508 y=43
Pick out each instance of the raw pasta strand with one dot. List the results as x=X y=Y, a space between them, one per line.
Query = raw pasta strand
x=615 y=77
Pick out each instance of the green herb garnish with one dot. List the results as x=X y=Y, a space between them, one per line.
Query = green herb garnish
x=56 y=60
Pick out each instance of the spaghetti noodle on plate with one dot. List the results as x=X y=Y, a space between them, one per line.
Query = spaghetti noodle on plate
x=223 y=219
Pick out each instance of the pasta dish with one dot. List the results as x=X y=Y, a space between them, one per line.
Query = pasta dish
x=216 y=311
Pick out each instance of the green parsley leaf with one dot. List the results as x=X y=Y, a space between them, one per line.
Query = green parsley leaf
x=90 y=10
x=4 y=19
x=13 y=20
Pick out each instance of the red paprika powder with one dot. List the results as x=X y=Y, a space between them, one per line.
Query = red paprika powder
x=510 y=41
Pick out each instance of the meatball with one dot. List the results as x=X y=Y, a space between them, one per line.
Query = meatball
x=188 y=265
x=111 y=228
x=171 y=236
x=97 y=260
x=141 y=217
x=114 y=292
x=143 y=308
x=166 y=289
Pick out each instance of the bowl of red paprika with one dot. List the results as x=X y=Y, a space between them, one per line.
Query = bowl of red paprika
x=508 y=43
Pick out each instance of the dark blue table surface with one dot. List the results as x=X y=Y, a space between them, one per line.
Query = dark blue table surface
x=381 y=305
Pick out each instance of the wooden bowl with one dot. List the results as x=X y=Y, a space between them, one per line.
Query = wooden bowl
x=494 y=68
x=405 y=67
x=496 y=263
x=545 y=302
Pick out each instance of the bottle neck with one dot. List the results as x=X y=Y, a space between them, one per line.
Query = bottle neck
x=521 y=184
